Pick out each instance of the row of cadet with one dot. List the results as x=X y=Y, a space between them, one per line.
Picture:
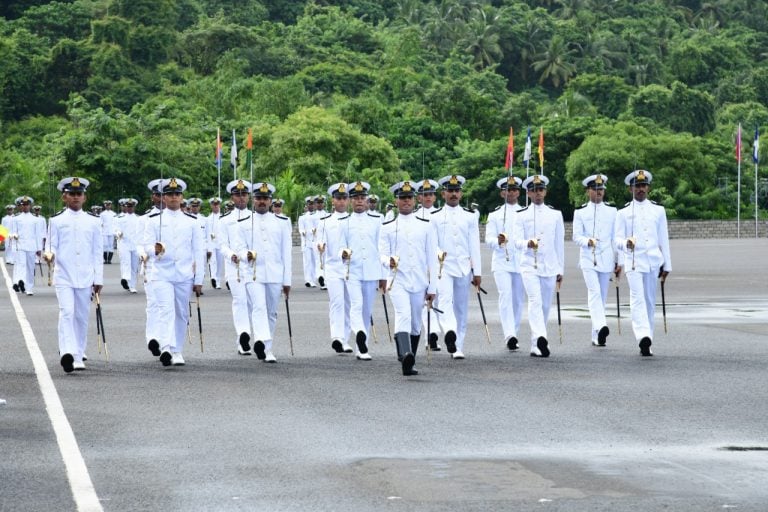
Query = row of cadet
x=426 y=263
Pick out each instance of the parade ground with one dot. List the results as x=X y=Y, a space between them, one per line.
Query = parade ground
x=588 y=429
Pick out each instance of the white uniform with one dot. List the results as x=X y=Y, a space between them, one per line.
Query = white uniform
x=29 y=243
x=647 y=223
x=333 y=231
x=235 y=274
x=152 y=318
x=505 y=265
x=412 y=240
x=595 y=221
x=130 y=229
x=365 y=269
x=173 y=273
x=458 y=235
x=317 y=217
x=541 y=267
x=75 y=242
x=213 y=245
x=108 y=232
x=306 y=223
x=269 y=235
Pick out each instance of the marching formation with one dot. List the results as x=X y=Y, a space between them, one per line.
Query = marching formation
x=423 y=261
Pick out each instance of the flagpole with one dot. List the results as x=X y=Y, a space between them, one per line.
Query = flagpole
x=233 y=155
x=756 y=208
x=738 y=183
x=756 y=160
x=218 y=160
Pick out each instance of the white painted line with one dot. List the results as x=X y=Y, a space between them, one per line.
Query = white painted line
x=83 y=491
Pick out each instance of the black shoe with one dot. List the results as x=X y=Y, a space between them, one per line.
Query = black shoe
x=602 y=336
x=408 y=361
x=360 y=340
x=227 y=283
x=109 y=257
x=21 y=286
x=543 y=346
x=450 y=341
x=433 y=346
x=337 y=346
x=245 y=341
x=308 y=285
x=154 y=347
x=213 y=283
x=124 y=283
x=166 y=358
x=16 y=287
x=258 y=347
x=321 y=281
x=67 y=362
x=512 y=344
x=645 y=347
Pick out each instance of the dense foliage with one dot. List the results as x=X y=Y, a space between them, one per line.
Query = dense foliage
x=123 y=91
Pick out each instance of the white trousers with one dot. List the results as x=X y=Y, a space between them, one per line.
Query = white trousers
x=129 y=266
x=361 y=297
x=308 y=259
x=540 y=290
x=453 y=300
x=263 y=299
x=511 y=300
x=172 y=313
x=10 y=251
x=216 y=266
x=597 y=294
x=338 y=308
x=407 y=306
x=642 y=301
x=241 y=306
x=107 y=243
x=319 y=262
x=74 y=308
x=24 y=269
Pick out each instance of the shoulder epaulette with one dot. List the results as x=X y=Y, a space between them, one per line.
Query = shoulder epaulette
x=148 y=211
x=224 y=214
x=582 y=206
x=498 y=207
x=654 y=202
x=57 y=213
x=93 y=215
x=326 y=217
x=282 y=217
x=522 y=209
x=344 y=217
x=627 y=203
x=374 y=215
x=190 y=215
x=119 y=216
x=244 y=218
x=549 y=206
x=468 y=210
x=439 y=209
x=389 y=222
x=423 y=219
x=607 y=203
x=154 y=215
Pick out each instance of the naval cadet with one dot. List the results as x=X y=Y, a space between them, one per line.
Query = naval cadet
x=505 y=263
x=458 y=240
x=363 y=268
x=108 y=230
x=128 y=232
x=642 y=239
x=74 y=251
x=262 y=240
x=26 y=236
x=539 y=233
x=175 y=244
x=236 y=268
x=307 y=230
x=426 y=196
x=213 y=244
x=334 y=247
x=593 y=232
x=7 y=222
x=407 y=250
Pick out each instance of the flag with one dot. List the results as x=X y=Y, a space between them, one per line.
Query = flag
x=510 y=150
x=233 y=154
x=738 y=144
x=219 y=152
x=249 y=151
x=541 y=149
x=3 y=233
x=527 y=153
x=756 y=147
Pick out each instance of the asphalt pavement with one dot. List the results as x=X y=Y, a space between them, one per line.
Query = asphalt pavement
x=586 y=429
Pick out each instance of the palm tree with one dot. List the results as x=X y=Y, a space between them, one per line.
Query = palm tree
x=482 y=40
x=555 y=63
